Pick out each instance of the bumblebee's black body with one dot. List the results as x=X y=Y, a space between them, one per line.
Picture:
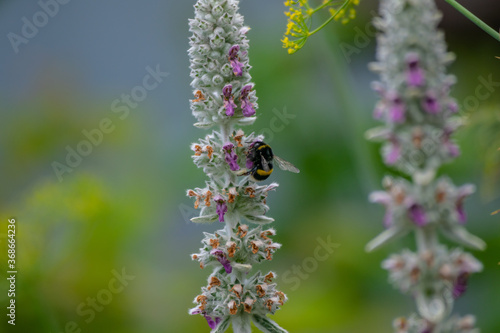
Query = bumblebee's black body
x=262 y=157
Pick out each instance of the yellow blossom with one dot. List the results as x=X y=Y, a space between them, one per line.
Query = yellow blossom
x=299 y=18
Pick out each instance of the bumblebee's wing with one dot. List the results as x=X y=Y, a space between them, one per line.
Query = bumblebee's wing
x=265 y=163
x=285 y=165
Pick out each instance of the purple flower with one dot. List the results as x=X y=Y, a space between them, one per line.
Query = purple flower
x=414 y=74
x=430 y=103
x=212 y=323
x=397 y=108
x=394 y=152
x=221 y=257
x=231 y=157
x=246 y=105
x=460 y=285
x=417 y=215
x=221 y=207
x=463 y=192
x=229 y=104
x=234 y=60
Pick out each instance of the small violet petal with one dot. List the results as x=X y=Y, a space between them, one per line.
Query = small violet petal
x=231 y=157
x=233 y=60
x=460 y=286
x=221 y=257
x=221 y=207
x=431 y=104
x=246 y=106
x=229 y=104
x=397 y=110
x=417 y=215
x=211 y=322
x=414 y=74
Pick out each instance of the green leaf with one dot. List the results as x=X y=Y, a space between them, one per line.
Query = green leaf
x=386 y=236
x=461 y=235
x=260 y=219
x=267 y=325
x=204 y=125
x=205 y=219
x=242 y=323
x=246 y=121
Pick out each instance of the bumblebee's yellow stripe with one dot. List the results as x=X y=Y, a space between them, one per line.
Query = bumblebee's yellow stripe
x=261 y=172
x=263 y=146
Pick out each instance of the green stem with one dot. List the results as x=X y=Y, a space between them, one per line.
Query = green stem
x=321 y=7
x=330 y=19
x=474 y=19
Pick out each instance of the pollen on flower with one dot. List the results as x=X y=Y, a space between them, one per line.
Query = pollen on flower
x=214 y=282
x=261 y=290
x=210 y=151
x=202 y=299
x=264 y=235
x=233 y=308
x=250 y=191
x=237 y=289
x=255 y=245
x=232 y=195
x=214 y=243
x=242 y=230
x=281 y=296
x=192 y=193
x=238 y=136
x=269 y=304
x=248 y=304
x=269 y=277
x=269 y=255
x=231 y=249
x=197 y=150
x=208 y=196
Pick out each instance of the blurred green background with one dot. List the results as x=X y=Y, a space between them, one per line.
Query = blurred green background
x=123 y=207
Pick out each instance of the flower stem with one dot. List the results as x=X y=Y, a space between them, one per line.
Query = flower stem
x=426 y=239
x=476 y=20
x=330 y=19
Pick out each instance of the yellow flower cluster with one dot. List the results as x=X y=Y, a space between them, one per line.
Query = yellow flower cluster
x=300 y=12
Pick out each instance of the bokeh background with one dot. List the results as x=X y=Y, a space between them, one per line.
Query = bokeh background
x=124 y=205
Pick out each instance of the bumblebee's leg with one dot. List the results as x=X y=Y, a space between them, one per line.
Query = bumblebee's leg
x=245 y=171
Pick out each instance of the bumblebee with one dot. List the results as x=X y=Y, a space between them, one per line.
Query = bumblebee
x=262 y=158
